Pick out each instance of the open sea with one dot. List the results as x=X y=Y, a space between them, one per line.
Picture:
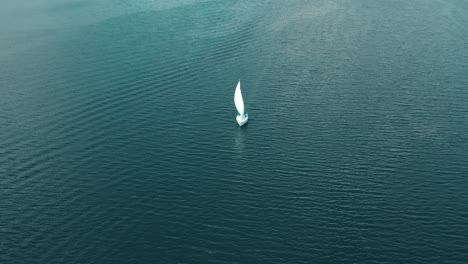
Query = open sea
x=118 y=140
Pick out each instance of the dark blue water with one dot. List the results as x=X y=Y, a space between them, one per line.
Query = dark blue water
x=118 y=141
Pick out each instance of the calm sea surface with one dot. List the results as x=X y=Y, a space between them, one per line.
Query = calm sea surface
x=118 y=141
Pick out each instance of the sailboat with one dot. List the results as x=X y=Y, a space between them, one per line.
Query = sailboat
x=242 y=117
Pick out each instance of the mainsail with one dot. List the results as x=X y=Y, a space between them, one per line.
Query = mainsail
x=238 y=101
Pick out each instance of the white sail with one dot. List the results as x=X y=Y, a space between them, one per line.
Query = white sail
x=238 y=101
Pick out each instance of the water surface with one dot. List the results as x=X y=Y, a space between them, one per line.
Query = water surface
x=118 y=141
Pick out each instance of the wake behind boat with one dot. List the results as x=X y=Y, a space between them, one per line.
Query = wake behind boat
x=242 y=117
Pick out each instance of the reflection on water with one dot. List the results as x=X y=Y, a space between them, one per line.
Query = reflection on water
x=239 y=139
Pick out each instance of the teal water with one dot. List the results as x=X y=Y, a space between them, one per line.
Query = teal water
x=118 y=141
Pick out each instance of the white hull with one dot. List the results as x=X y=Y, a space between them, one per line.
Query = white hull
x=242 y=120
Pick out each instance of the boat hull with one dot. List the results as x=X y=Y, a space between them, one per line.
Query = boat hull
x=242 y=120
